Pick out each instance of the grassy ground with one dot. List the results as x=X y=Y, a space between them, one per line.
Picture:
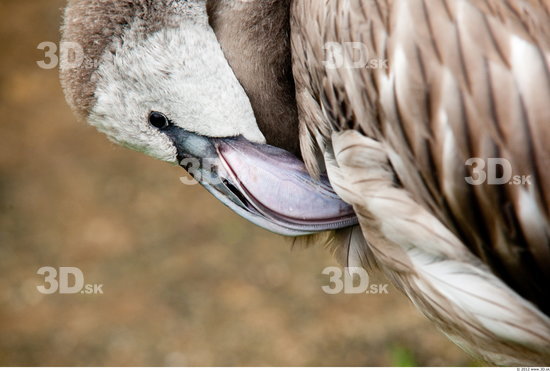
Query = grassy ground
x=185 y=281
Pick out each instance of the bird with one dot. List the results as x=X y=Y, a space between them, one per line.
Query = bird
x=360 y=120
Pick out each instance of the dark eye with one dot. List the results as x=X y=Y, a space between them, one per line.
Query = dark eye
x=159 y=120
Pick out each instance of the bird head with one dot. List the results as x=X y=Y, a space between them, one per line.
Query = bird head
x=154 y=78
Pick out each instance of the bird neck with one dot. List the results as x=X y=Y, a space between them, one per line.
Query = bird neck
x=255 y=39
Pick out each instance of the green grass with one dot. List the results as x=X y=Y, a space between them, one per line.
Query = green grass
x=402 y=357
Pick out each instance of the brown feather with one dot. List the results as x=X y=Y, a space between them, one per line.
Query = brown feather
x=464 y=79
x=458 y=60
x=255 y=37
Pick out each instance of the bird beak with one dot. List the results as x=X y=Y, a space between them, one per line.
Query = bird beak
x=264 y=184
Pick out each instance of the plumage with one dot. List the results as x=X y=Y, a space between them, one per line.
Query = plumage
x=437 y=84
x=95 y=25
x=464 y=79
x=256 y=47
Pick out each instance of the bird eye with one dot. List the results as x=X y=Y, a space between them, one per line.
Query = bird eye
x=159 y=120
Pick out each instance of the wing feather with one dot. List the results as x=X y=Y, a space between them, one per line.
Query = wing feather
x=464 y=79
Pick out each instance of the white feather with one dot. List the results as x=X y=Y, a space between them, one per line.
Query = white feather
x=180 y=72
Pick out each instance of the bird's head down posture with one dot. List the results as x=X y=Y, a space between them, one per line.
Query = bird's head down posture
x=220 y=82
x=160 y=84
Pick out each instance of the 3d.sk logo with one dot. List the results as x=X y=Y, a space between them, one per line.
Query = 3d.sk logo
x=351 y=280
x=66 y=280
x=493 y=171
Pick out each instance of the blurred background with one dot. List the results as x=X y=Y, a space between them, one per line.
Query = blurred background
x=185 y=281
